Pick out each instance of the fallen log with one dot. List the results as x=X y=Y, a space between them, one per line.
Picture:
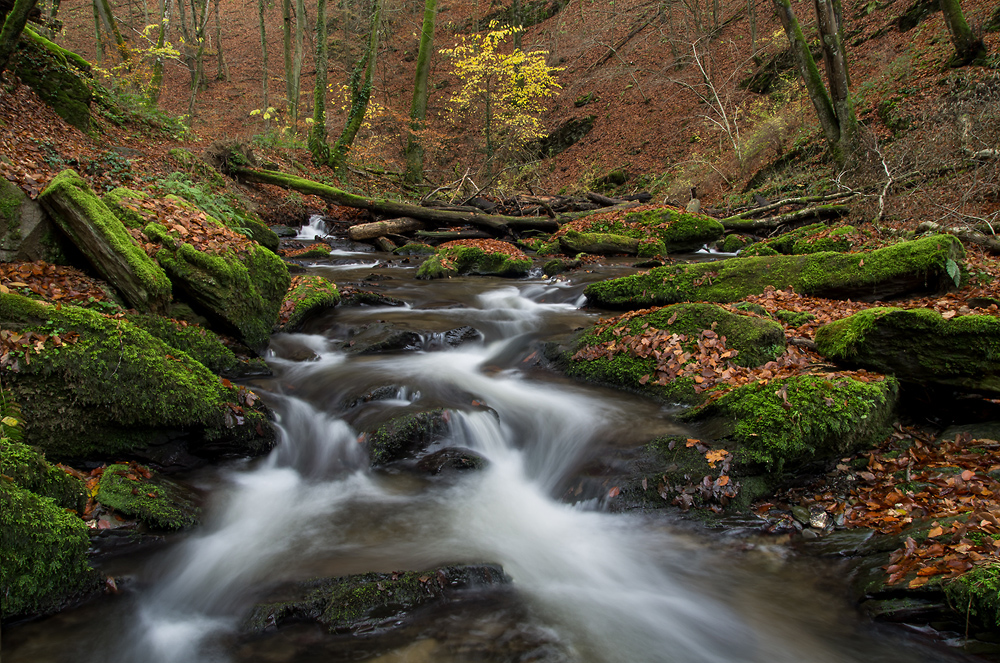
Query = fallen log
x=498 y=225
x=970 y=235
x=818 y=213
x=401 y=225
x=770 y=207
x=451 y=235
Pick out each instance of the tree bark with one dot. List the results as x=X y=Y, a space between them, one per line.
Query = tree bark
x=809 y=214
x=222 y=72
x=316 y=141
x=13 y=26
x=156 y=82
x=263 y=46
x=108 y=18
x=418 y=109
x=360 y=93
x=967 y=46
x=398 y=226
x=970 y=235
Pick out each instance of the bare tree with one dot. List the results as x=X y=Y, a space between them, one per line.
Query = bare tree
x=418 y=109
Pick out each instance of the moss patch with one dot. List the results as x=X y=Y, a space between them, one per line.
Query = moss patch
x=924 y=265
x=155 y=500
x=29 y=470
x=404 y=435
x=308 y=296
x=485 y=258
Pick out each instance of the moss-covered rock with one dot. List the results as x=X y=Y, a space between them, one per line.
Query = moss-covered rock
x=115 y=389
x=29 y=470
x=485 y=257
x=802 y=418
x=415 y=249
x=124 y=202
x=574 y=243
x=813 y=238
x=43 y=554
x=918 y=345
x=679 y=231
x=558 y=266
x=928 y=265
x=370 y=600
x=976 y=595
x=734 y=243
x=240 y=291
x=405 y=435
x=103 y=238
x=155 y=500
x=26 y=233
x=308 y=296
x=754 y=341
x=54 y=78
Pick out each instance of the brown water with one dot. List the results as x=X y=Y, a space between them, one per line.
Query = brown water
x=587 y=585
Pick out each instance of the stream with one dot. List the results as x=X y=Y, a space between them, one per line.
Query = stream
x=587 y=585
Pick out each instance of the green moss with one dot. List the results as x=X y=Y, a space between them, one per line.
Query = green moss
x=29 y=470
x=678 y=231
x=315 y=251
x=792 y=420
x=734 y=243
x=43 y=554
x=794 y=318
x=115 y=386
x=918 y=345
x=156 y=501
x=838 y=239
x=53 y=79
x=201 y=344
x=918 y=266
x=757 y=341
x=461 y=260
x=415 y=249
x=70 y=189
x=976 y=595
x=122 y=201
x=308 y=296
x=402 y=435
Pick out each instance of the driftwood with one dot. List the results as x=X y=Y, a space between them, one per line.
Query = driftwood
x=808 y=214
x=970 y=235
x=401 y=225
x=496 y=224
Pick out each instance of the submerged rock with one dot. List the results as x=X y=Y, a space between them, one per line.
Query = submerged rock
x=307 y=296
x=918 y=345
x=928 y=265
x=371 y=600
x=451 y=459
x=403 y=436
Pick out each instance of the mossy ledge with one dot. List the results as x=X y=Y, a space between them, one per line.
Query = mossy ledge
x=918 y=345
x=29 y=470
x=156 y=501
x=757 y=341
x=370 y=600
x=794 y=420
x=488 y=258
x=906 y=268
x=308 y=296
x=118 y=390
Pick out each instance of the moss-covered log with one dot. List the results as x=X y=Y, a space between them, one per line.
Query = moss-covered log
x=753 y=341
x=102 y=237
x=919 y=346
x=101 y=387
x=928 y=265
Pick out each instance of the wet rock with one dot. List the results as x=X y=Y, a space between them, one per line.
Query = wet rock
x=919 y=346
x=155 y=500
x=307 y=297
x=483 y=257
x=26 y=232
x=282 y=230
x=370 y=601
x=378 y=337
x=453 y=338
x=450 y=459
x=403 y=436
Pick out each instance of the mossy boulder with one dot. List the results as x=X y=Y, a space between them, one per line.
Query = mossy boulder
x=559 y=265
x=923 y=266
x=109 y=388
x=239 y=290
x=734 y=243
x=125 y=203
x=752 y=341
x=976 y=595
x=371 y=600
x=27 y=234
x=415 y=249
x=485 y=257
x=405 y=435
x=55 y=78
x=308 y=296
x=575 y=243
x=918 y=345
x=790 y=421
x=105 y=241
x=652 y=232
x=679 y=231
x=29 y=470
x=43 y=554
x=155 y=500
x=813 y=238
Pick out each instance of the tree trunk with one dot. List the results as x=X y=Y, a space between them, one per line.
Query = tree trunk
x=263 y=46
x=418 y=109
x=300 y=26
x=286 y=42
x=156 y=82
x=13 y=26
x=967 y=46
x=108 y=18
x=360 y=93
x=222 y=72
x=398 y=226
x=318 y=148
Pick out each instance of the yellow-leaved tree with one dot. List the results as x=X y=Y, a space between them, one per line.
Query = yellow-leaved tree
x=504 y=89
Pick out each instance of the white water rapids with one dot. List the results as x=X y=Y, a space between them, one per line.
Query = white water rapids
x=598 y=587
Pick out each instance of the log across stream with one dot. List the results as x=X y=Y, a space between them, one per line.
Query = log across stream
x=586 y=585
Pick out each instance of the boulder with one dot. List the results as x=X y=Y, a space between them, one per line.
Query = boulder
x=919 y=346
x=27 y=234
x=105 y=241
x=29 y=470
x=55 y=75
x=924 y=266
x=153 y=499
x=807 y=239
x=485 y=257
x=404 y=436
x=789 y=421
x=370 y=601
x=633 y=351
x=93 y=386
x=306 y=297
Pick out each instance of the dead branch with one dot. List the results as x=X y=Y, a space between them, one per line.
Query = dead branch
x=817 y=213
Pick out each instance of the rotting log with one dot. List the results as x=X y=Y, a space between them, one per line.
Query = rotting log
x=498 y=225
x=969 y=235
x=403 y=224
x=451 y=235
x=818 y=213
x=802 y=200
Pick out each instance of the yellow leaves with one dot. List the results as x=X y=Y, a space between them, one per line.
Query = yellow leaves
x=715 y=456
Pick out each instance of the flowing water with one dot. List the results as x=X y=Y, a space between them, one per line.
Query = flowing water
x=587 y=585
